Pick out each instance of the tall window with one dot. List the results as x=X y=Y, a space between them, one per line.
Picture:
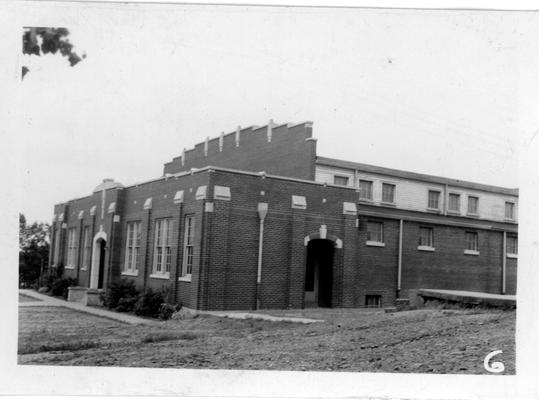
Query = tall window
x=472 y=243
x=473 y=204
x=72 y=247
x=162 y=253
x=388 y=193
x=340 y=180
x=426 y=237
x=57 y=245
x=132 y=251
x=509 y=210
x=188 y=242
x=512 y=245
x=86 y=248
x=375 y=231
x=434 y=199
x=365 y=190
x=454 y=202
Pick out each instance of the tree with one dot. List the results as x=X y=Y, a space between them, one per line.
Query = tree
x=33 y=250
x=37 y=41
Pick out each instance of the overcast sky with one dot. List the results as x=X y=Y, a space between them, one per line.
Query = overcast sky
x=426 y=91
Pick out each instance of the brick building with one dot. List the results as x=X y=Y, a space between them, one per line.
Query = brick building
x=255 y=219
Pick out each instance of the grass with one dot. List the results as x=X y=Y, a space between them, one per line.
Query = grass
x=168 y=336
x=69 y=346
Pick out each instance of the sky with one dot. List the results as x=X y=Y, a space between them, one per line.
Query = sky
x=428 y=91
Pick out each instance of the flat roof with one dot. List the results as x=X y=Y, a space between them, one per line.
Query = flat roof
x=333 y=162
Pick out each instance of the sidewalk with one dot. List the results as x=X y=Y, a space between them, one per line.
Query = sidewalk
x=48 y=301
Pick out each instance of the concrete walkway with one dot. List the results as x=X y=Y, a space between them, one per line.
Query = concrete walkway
x=43 y=300
x=265 y=317
x=464 y=296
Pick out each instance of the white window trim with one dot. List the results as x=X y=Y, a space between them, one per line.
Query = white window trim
x=506 y=218
x=164 y=275
x=471 y=252
x=449 y=210
x=472 y=214
x=130 y=273
x=69 y=267
x=128 y=263
x=391 y=203
x=426 y=248
x=375 y=243
x=185 y=278
x=366 y=199
x=439 y=191
x=512 y=255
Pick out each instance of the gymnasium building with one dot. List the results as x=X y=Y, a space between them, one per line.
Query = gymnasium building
x=256 y=219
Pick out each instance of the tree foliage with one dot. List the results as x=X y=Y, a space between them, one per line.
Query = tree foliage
x=33 y=250
x=38 y=40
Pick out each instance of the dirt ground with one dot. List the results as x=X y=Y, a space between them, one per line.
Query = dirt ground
x=427 y=340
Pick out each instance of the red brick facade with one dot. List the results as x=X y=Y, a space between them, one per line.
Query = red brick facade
x=226 y=234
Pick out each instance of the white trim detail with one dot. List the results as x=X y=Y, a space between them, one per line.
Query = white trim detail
x=237 y=136
x=426 y=248
x=81 y=214
x=96 y=250
x=221 y=193
x=112 y=207
x=130 y=273
x=349 y=208
x=92 y=210
x=299 y=202
x=208 y=207
x=471 y=252
x=512 y=255
x=201 y=193
x=178 y=197
x=185 y=278
x=147 y=204
x=375 y=244
x=116 y=218
x=160 y=276
x=61 y=217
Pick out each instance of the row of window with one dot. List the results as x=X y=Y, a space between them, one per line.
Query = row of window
x=433 y=201
x=162 y=249
x=375 y=236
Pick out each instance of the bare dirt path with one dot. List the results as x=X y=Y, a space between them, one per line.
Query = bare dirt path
x=434 y=341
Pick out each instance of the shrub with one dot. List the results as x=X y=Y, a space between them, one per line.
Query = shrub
x=59 y=286
x=166 y=310
x=149 y=303
x=121 y=295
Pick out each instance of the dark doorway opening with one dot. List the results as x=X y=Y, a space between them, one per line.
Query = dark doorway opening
x=102 y=245
x=319 y=273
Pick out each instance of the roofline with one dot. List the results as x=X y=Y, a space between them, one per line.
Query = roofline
x=333 y=162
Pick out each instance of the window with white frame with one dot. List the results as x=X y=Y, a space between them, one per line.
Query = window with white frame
x=473 y=204
x=426 y=237
x=132 y=249
x=340 y=180
x=512 y=245
x=188 y=245
x=365 y=190
x=388 y=193
x=472 y=242
x=509 y=210
x=86 y=247
x=72 y=247
x=375 y=232
x=454 y=202
x=434 y=200
x=162 y=253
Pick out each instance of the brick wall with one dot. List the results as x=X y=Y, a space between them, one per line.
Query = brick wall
x=288 y=153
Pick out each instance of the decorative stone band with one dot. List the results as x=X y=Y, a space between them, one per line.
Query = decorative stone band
x=201 y=193
x=221 y=193
x=178 y=197
x=81 y=214
x=349 y=208
x=92 y=210
x=112 y=208
x=208 y=207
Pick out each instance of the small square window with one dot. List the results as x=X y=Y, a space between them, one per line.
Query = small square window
x=509 y=210
x=426 y=237
x=365 y=190
x=454 y=202
x=373 y=301
x=375 y=232
x=512 y=245
x=472 y=242
x=473 y=204
x=340 y=180
x=388 y=193
x=434 y=200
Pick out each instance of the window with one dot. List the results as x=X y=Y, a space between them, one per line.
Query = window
x=426 y=239
x=340 y=180
x=375 y=232
x=512 y=245
x=388 y=193
x=472 y=245
x=473 y=204
x=71 y=248
x=454 y=202
x=365 y=190
x=86 y=248
x=188 y=242
x=57 y=245
x=132 y=250
x=509 y=210
x=162 y=246
x=373 y=301
x=434 y=200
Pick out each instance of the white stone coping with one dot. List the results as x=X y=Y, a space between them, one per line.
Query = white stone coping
x=426 y=248
x=112 y=207
x=185 y=278
x=221 y=192
x=299 y=202
x=160 y=276
x=471 y=252
x=512 y=255
x=178 y=197
x=130 y=273
x=147 y=204
x=201 y=192
x=375 y=243
x=349 y=208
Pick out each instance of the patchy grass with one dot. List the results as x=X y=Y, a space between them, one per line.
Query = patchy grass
x=428 y=340
x=26 y=299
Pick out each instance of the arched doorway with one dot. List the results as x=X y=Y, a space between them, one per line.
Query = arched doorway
x=319 y=273
x=97 y=275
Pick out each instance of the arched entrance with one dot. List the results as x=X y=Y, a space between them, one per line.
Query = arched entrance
x=97 y=274
x=319 y=273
